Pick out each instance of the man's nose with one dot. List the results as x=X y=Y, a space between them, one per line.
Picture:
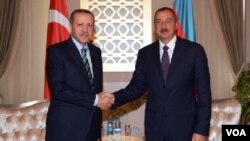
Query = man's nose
x=84 y=28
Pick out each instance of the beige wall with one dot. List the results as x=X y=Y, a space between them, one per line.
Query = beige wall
x=73 y=4
x=248 y=31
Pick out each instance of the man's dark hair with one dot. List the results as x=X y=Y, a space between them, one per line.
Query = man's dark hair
x=165 y=9
x=71 y=19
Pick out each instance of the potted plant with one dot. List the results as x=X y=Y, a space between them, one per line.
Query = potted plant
x=243 y=94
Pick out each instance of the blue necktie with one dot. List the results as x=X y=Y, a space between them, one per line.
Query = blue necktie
x=165 y=62
x=87 y=67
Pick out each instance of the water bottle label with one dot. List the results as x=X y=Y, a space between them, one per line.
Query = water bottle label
x=110 y=129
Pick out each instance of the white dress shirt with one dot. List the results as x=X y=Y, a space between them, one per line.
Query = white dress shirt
x=79 y=47
x=171 y=46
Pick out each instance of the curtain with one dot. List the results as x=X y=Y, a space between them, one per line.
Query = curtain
x=221 y=72
x=10 y=11
x=229 y=14
x=25 y=78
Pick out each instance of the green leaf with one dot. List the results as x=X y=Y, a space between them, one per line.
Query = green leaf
x=243 y=93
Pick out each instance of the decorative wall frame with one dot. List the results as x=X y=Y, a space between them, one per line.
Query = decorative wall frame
x=122 y=28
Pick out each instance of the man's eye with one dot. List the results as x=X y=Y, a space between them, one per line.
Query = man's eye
x=158 y=22
x=168 y=21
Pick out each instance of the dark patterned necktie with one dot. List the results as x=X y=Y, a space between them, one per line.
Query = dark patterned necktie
x=165 y=62
x=87 y=67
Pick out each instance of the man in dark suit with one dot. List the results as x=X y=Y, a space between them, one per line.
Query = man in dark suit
x=75 y=78
x=174 y=111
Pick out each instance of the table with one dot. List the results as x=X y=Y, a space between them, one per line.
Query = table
x=122 y=138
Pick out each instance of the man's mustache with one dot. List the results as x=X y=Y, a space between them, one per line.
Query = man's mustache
x=84 y=34
x=164 y=30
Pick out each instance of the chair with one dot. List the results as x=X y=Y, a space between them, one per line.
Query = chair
x=23 y=122
x=224 y=112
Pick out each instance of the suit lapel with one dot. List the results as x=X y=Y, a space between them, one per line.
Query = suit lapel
x=93 y=60
x=178 y=54
x=156 y=58
x=75 y=55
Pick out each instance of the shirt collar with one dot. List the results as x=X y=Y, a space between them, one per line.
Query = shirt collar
x=170 y=44
x=78 y=44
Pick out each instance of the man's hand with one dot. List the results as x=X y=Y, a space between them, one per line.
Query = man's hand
x=105 y=100
x=199 y=137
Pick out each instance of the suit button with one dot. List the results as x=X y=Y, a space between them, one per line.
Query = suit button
x=164 y=86
x=165 y=116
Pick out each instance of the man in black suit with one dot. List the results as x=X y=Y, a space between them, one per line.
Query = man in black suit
x=174 y=111
x=75 y=77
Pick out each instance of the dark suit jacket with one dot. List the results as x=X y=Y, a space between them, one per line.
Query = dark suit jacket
x=172 y=111
x=71 y=115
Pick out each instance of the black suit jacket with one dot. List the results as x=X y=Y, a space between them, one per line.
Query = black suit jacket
x=172 y=111
x=71 y=114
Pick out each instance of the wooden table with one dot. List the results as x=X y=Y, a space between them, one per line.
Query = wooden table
x=122 y=138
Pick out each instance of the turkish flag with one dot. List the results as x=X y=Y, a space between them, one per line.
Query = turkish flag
x=58 y=30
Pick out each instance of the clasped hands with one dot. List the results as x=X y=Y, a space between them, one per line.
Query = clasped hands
x=105 y=100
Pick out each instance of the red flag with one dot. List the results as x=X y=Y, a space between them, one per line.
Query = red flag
x=58 y=29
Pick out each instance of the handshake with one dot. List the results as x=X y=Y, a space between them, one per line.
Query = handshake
x=105 y=100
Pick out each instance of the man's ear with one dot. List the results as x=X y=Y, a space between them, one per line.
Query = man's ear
x=177 y=24
x=70 y=27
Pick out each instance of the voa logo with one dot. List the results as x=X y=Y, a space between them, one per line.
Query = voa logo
x=236 y=132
